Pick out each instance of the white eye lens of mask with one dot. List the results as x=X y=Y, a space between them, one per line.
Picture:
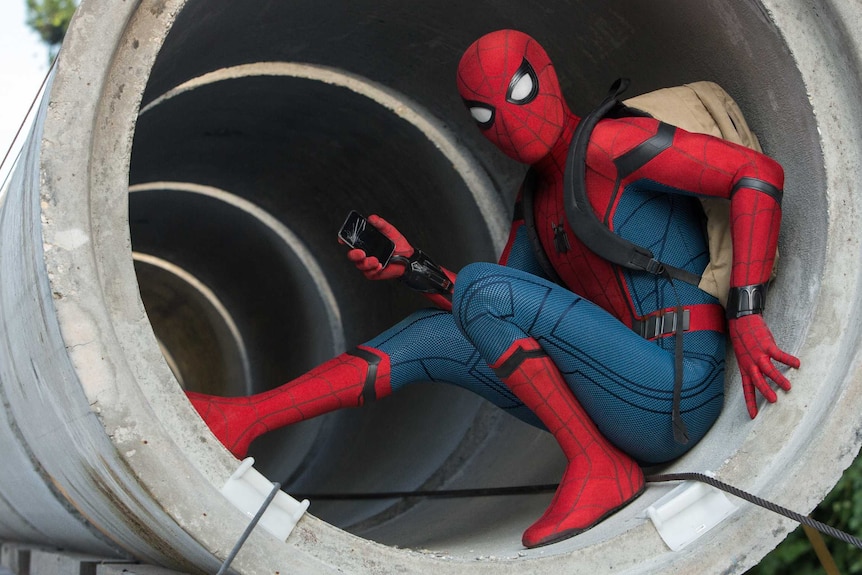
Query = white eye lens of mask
x=481 y=115
x=522 y=88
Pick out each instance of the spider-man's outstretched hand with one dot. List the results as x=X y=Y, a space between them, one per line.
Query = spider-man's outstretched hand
x=370 y=266
x=755 y=349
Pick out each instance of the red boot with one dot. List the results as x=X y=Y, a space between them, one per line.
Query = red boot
x=349 y=380
x=600 y=479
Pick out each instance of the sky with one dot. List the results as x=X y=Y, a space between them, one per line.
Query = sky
x=23 y=65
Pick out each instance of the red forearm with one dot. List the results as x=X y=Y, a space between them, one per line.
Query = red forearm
x=755 y=214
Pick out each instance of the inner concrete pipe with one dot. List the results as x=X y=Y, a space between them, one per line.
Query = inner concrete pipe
x=172 y=222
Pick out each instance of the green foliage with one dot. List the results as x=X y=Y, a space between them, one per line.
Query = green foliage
x=841 y=509
x=50 y=19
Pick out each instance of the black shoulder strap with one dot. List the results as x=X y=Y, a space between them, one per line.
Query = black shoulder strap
x=528 y=189
x=583 y=220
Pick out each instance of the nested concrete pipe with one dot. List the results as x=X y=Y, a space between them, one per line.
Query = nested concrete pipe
x=172 y=225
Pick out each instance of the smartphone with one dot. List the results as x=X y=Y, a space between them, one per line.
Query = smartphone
x=358 y=233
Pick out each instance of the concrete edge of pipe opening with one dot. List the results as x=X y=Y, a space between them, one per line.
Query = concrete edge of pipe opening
x=86 y=143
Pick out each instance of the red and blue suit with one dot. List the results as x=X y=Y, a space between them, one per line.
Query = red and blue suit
x=588 y=356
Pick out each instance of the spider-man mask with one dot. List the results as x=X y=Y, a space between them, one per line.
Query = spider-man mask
x=510 y=87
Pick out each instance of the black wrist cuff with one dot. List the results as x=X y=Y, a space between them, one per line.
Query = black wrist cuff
x=746 y=300
x=423 y=275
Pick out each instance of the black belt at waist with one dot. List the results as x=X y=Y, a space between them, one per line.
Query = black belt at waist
x=700 y=317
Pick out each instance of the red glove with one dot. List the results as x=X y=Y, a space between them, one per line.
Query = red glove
x=370 y=266
x=755 y=349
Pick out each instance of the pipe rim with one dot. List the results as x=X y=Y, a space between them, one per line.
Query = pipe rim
x=209 y=464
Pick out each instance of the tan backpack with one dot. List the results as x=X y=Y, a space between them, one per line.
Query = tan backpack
x=704 y=107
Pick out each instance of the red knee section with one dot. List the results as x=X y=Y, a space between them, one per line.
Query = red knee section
x=349 y=380
x=599 y=479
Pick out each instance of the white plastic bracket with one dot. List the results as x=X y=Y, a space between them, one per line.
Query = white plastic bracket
x=687 y=512
x=248 y=489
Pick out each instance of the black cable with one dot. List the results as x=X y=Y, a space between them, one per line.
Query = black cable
x=436 y=494
x=550 y=488
x=799 y=518
x=276 y=487
x=24 y=121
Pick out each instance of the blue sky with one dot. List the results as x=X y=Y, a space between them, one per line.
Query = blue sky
x=23 y=64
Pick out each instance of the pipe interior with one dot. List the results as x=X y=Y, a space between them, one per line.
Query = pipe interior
x=239 y=183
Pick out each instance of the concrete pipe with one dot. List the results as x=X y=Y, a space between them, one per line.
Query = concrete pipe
x=172 y=225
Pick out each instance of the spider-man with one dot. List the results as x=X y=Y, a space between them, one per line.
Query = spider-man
x=592 y=360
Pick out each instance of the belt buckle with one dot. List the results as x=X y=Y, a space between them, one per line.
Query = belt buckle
x=662 y=324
